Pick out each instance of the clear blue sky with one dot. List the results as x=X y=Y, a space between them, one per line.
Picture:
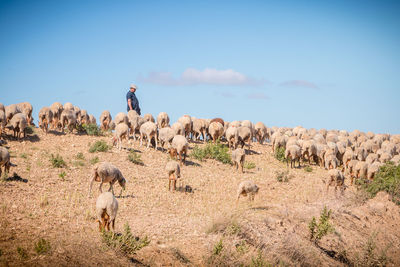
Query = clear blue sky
x=319 y=64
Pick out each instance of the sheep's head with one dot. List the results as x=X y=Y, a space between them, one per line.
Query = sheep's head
x=172 y=152
x=256 y=188
x=122 y=183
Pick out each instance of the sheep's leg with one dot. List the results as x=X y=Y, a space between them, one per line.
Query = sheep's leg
x=169 y=184
x=241 y=166
x=91 y=184
x=174 y=184
x=101 y=184
x=141 y=139
x=113 y=224
x=148 y=141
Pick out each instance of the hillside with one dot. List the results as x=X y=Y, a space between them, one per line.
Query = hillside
x=184 y=228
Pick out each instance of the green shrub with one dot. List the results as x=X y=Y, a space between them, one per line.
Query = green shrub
x=99 y=146
x=30 y=129
x=57 y=161
x=321 y=229
x=249 y=165
x=80 y=156
x=92 y=129
x=218 y=247
x=370 y=256
x=62 y=175
x=94 y=160
x=282 y=176
x=387 y=179
x=216 y=151
x=124 y=242
x=308 y=169
x=42 y=246
x=259 y=261
x=280 y=154
x=135 y=158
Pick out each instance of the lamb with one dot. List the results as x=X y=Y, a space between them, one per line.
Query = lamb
x=199 y=128
x=68 y=118
x=26 y=108
x=261 y=132
x=105 y=172
x=373 y=169
x=105 y=120
x=335 y=178
x=162 y=120
x=148 y=117
x=232 y=136
x=18 y=124
x=149 y=130
x=238 y=156
x=247 y=187
x=179 y=147
x=4 y=160
x=174 y=172
x=178 y=128
x=216 y=130
x=45 y=118
x=56 y=108
x=186 y=121
x=165 y=135
x=121 y=132
x=294 y=153
x=106 y=210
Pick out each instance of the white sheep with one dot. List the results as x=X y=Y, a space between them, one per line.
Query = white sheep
x=179 y=147
x=92 y=119
x=162 y=120
x=105 y=120
x=216 y=130
x=83 y=117
x=148 y=130
x=232 y=136
x=4 y=160
x=373 y=169
x=11 y=110
x=68 y=118
x=134 y=118
x=178 y=128
x=293 y=153
x=165 y=135
x=199 y=127
x=261 y=132
x=3 y=121
x=105 y=172
x=238 y=156
x=335 y=178
x=247 y=187
x=68 y=106
x=56 y=108
x=26 y=108
x=121 y=132
x=174 y=173
x=186 y=121
x=330 y=160
x=121 y=118
x=18 y=124
x=148 y=117
x=45 y=118
x=106 y=210
x=244 y=135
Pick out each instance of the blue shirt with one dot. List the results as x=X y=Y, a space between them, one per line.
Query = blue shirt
x=134 y=101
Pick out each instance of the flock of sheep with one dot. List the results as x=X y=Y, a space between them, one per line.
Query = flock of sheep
x=355 y=154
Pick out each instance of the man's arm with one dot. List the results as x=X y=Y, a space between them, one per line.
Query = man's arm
x=130 y=104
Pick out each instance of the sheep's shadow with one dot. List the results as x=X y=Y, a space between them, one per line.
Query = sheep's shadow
x=16 y=178
x=185 y=189
x=132 y=149
x=32 y=138
x=57 y=133
x=191 y=163
x=260 y=208
x=126 y=196
x=251 y=152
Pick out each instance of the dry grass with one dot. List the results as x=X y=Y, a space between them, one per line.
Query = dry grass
x=183 y=228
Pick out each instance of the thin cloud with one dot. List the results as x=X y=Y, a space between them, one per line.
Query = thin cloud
x=300 y=83
x=259 y=96
x=227 y=95
x=192 y=76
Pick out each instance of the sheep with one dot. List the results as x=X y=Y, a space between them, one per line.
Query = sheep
x=351 y=166
x=68 y=118
x=68 y=106
x=294 y=153
x=26 y=108
x=4 y=160
x=78 y=113
x=45 y=118
x=247 y=187
x=371 y=158
x=148 y=117
x=165 y=135
x=361 y=153
x=347 y=156
x=186 y=121
x=321 y=150
x=385 y=157
x=174 y=172
x=216 y=130
x=238 y=156
x=106 y=210
x=3 y=121
x=335 y=178
x=331 y=161
x=373 y=169
x=331 y=137
x=2 y=107
x=232 y=137
x=135 y=121
x=396 y=159
x=56 y=108
x=244 y=135
x=18 y=124
x=278 y=140
x=199 y=127
x=83 y=117
x=92 y=119
x=149 y=130
x=361 y=169
x=11 y=110
x=121 y=118
x=162 y=120
x=105 y=120
x=218 y=120
x=178 y=128
x=105 y=172
x=260 y=132
x=293 y=140
x=309 y=148
x=121 y=132
x=179 y=147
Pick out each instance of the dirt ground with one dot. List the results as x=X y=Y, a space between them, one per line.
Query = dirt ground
x=184 y=228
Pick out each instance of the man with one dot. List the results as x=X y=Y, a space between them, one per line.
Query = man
x=133 y=102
